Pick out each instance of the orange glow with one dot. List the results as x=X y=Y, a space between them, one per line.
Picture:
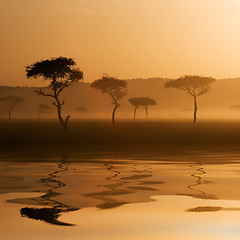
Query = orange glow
x=128 y=39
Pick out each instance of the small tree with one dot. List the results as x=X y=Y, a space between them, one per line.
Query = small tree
x=235 y=107
x=114 y=87
x=42 y=108
x=194 y=85
x=82 y=109
x=11 y=102
x=61 y=73
x=144 y=102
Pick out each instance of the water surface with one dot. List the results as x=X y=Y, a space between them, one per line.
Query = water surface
x=191 y=196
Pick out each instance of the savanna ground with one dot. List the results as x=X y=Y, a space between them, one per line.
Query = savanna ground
x=97 y=139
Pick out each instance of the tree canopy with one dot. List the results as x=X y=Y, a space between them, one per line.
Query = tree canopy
x=82 y=109
x=43 y=107
x=12 y=101
x=61 y=72
x=195 y=85
x=142 y=101
x=113 y=86
x=235 y=107
x=49 y=69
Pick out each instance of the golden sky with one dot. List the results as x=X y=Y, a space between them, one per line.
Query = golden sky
x=124 y=38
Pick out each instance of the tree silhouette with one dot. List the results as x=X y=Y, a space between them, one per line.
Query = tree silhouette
x=194 y=85
x=114 y=87
x=42 y=108
x=82 y=109
x=61 y=73
x=11 y=102
x=55 y=208
x=235 y=107
x=144 y=102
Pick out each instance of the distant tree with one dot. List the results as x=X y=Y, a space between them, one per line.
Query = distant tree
x=11 y=102
x=235 y=107
x=144 y=102
x=61 y=73
x=42 y=108
x=82 y=109
x=194 y=85
x=114 y=87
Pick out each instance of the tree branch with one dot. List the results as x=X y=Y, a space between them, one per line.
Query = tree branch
x=190 y=92
x=64 y=85
x=113 y=97
x=54 y=104
x=40 y=92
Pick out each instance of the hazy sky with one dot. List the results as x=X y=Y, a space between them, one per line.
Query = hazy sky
x=125 y=38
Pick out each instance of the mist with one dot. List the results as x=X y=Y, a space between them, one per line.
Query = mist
x=171 y=104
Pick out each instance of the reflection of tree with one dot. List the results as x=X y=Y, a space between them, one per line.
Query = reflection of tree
x=120 y=186
x=212 y=209
x=113 y=189
x=52 y=214
x=198 y=181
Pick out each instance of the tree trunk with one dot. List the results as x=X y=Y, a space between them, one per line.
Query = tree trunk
x=39 y=115
x=146 y=109
x=113 y=114
x=195 y=110
x=134 y=114
x=59 y=111
x=9 y=115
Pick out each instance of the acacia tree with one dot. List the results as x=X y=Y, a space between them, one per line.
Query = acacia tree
x=11 y=102
x=61 y=73
x=114 y=87
x=144 y=102
x=235 y=107
x=194 y=85
x=82 y=109
x=42 y=108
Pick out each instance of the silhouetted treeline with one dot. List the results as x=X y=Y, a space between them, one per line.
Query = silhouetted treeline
x=170 y=103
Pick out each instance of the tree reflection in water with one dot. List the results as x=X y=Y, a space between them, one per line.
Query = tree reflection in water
x=123 y=181
x=198 y=181
x=133 y=182
x=130 y=186
x=47 y=214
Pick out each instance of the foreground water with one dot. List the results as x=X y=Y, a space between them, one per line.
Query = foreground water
x=194 y=196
